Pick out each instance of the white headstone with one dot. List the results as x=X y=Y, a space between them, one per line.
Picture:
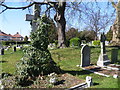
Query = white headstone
x=89 y=81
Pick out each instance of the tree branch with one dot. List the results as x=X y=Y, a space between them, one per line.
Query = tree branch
x=3 y=10
x=113 y=4
x=41 y=3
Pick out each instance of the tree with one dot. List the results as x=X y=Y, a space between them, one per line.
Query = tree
x=25 y=38
x=63 y=8
x=97 y=19
x=71 y=33
x=61 y=23
x=109 y=35
x=116 y=26
x=52 y=32
x=87 y=35
x=37 y=59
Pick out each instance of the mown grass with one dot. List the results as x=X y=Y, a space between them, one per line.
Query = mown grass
x=70 y=57
x=67 y=59
x=9 y=59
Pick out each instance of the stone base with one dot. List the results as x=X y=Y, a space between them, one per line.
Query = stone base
x=103 y=60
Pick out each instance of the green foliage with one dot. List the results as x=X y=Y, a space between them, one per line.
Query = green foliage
x=75 y=42
x=87 y=35
x=72 y=33
x=52 y=32
x=109 y=35
x=37 y=59
x=96 y=42
x=26 y=39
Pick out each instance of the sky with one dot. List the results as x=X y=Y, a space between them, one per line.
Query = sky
x=13 y=21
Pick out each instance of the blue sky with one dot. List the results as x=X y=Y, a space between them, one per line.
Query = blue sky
x=12 y=21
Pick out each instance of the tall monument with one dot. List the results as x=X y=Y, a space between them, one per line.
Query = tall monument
x=103 y=58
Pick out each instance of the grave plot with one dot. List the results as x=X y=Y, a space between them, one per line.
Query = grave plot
x=102 y=71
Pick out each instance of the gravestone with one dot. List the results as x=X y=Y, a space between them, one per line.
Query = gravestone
x=85 y=56
x=2 y=51
x=114 y=55
x=14 y=49
x=21 y=47
x=89 y=81
x=103 y=58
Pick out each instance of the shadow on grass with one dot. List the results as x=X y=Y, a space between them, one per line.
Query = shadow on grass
x=3 y=61
x=83 y=72
x=94 y=84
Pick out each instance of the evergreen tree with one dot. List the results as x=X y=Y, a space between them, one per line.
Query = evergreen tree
x=37 y=59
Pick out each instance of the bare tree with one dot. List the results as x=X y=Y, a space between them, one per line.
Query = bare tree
x=97 y=19
x=60 y=8
x=59 y=17
x=75 y=9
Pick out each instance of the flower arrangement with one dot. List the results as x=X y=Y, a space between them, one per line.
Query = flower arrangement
x=53 y=78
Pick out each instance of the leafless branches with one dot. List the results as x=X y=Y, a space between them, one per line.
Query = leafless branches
x=52 y=4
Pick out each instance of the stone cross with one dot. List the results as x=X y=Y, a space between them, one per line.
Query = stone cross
x=103 y=58
x=85 y=56
x=33 y=18
x=102 y=42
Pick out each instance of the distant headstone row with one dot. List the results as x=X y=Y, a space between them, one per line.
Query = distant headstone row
x=14 y=49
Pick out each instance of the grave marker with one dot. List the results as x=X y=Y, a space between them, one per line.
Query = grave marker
x=103 y=58
x=114 y=55
x=89 y=81
x=2 y=51
x=14 y=49
x=85 y=56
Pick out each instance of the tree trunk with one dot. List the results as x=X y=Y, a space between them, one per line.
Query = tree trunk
x=116 y=27
x=61 y=23
x=118 y=23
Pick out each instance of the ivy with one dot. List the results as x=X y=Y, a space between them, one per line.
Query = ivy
x=37 y=59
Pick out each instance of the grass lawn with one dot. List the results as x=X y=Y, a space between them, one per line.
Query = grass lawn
x=9 y=60
x=67 y=59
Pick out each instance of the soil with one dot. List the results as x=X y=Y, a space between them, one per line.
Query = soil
x=64 y=81
x=101 y=70
x=114 y=66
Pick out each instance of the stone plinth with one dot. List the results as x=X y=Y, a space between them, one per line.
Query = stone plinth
x=103 y=60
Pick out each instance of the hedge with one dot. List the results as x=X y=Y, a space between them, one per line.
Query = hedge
x=14 y=42
x=96 y=42
x=75 y=42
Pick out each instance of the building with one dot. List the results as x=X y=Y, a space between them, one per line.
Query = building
x=4 y=36
x=17 y=37
x=7 y=37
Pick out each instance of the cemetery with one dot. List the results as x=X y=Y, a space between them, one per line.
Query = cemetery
x=71 y=62
x=74 y=69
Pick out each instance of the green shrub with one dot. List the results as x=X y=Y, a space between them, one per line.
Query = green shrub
x=75 y=42
x=67 y=43
x=37 y=59
x=96 y=42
